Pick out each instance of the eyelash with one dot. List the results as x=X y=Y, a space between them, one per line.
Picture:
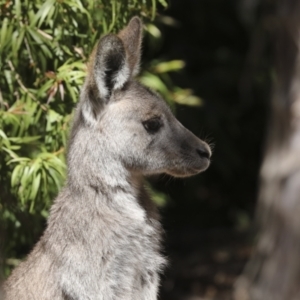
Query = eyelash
x=152 y=125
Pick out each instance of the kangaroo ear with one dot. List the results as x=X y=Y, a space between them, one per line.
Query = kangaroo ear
x=110 y=67
x=113 y=61
x=132 y=39
x=108 y=70
x=116 y=58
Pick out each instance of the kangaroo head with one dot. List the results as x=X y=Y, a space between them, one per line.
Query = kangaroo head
x=123 y=121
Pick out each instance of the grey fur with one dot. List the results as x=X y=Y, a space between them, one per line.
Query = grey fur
x=102 y=241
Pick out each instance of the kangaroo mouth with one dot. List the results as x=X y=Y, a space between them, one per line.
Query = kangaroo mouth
x=190 y=169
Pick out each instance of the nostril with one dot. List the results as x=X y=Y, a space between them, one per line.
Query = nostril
x=203 y=153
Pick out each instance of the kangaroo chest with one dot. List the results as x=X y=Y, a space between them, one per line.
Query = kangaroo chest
x=115 y=246
x=125 y=256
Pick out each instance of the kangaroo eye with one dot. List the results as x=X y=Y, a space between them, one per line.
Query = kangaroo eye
x=152 y=125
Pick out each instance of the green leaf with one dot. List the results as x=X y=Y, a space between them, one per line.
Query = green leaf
x=163 y=3
x=35 y=186
x=18 y=9
x=10 y=152
x=25 y=177
x=55 y=177
x=25 y=139
x=20 y=39
x=159 y=198
x=154 y=82
x=40 y=42
x=43 y=12
x=3 y=135
x=3 y=33
x=169 y=66
x=186 y=97
x=16 y=174
x=19 y=159
x=153 y=30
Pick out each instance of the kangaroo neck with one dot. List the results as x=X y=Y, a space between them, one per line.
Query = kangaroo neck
x=110 y=185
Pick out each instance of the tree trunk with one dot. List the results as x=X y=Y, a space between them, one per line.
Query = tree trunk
x=273 y=273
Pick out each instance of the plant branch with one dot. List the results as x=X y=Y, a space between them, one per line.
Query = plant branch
x=17 y=76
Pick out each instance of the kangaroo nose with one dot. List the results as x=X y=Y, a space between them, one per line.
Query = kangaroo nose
x=203 y=153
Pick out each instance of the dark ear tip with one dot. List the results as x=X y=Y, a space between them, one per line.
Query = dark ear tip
x=110 y=42
x=110 y=38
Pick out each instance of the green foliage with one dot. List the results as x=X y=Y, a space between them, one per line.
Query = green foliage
x=44 y=47
x=157 y=78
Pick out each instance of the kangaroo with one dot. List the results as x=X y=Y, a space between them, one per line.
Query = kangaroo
x=103 y=235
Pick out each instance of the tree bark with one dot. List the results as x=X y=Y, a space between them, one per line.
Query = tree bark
x=273 y=272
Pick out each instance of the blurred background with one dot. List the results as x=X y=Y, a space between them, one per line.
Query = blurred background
x=212 y=60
